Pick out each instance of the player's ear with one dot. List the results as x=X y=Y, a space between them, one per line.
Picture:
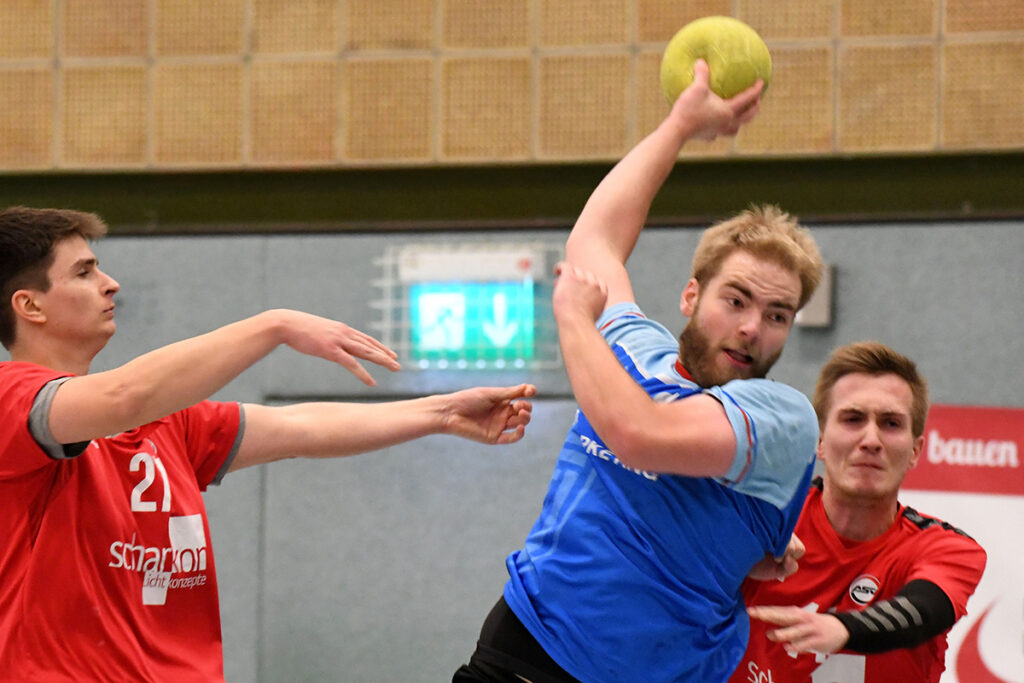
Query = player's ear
x=918 y=447
x=691 y=295
x=26 y=306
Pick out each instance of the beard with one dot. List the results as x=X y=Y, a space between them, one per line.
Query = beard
x=698 y=357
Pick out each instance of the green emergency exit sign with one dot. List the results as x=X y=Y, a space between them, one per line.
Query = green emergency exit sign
x=472 y=324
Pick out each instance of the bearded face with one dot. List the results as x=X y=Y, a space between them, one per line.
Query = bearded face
x=739 y=319
x=698 y=355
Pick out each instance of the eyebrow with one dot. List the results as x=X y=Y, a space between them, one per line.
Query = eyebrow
x=745 y=291
x=84 y=262
x=853 y=410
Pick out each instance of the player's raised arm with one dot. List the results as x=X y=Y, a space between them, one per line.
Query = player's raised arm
x=611 y=221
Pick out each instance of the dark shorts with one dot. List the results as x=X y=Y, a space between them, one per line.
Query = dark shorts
x=506 y=651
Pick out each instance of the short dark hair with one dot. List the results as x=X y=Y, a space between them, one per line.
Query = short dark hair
x=27 y=239
x=871 y=358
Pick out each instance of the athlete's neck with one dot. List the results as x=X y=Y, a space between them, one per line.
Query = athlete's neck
x=858 y=519
x=53 y=355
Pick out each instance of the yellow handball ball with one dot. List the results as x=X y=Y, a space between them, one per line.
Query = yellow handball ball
x=735 y=54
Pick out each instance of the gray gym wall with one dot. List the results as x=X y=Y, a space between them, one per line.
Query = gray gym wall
x=382 y=567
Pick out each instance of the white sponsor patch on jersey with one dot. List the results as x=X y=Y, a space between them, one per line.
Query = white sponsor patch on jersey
x=863 y=589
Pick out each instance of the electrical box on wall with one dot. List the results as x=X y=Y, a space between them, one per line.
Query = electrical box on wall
x=818 y=310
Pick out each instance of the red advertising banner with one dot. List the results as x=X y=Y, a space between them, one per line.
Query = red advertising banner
x=970 y=474
x=971 y=449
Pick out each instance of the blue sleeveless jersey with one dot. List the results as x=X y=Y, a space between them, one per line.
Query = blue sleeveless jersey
x=635 y=576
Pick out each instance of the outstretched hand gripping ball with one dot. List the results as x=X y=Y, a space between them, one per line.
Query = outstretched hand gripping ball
x=735 y=54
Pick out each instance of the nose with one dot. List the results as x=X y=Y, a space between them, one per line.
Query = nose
x=750 y=324
x=870 y=439
x=110 y=285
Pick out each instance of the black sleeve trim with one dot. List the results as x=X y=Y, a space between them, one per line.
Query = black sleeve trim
x=923 y=522
x=917 y=613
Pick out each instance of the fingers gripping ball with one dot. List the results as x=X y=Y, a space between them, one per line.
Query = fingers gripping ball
x=735 y=54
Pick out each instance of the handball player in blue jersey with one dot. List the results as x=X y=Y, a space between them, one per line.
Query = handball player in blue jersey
x=685 y=469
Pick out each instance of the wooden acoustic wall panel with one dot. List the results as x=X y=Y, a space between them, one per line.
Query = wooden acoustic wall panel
x=388 y=109
x=198 y=114
x=26 y=29
x=104 y=28
x=650 y=104
x=966 y=16
x=390 y=25
x=893 y=113
x=789 y=19
x=983 y=95
x=488 y=25
x=26 y=118
x=295 y=26
x=584 y=22
x=104 y=116
x=486 y=109
x=583 y=105
x=263 y=83
x=658 y=20
x=200 y=28
x=797 y=114
x=887 y=18
x=294 y=112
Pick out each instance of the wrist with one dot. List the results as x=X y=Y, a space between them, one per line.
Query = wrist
x=682 y=128
x=273 y=325
x=574 y=315
x=842 y=629
x=437 y=411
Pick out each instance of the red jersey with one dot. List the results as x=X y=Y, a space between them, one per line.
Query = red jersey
x=106 y=566
x=842 y=575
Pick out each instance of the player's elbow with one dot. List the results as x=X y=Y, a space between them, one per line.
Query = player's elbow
x=647 y=446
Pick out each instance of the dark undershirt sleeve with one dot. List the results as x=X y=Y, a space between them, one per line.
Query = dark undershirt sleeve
x=918 y=612
x=39 y=424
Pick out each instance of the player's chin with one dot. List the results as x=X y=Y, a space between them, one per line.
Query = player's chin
x=868 y=483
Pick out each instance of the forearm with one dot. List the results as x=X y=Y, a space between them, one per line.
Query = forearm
x=328 y=430
x=163 y=381
x=917 y=613
x=491 y=415
x=617 y=210
x=615 y=405
x=613 y=217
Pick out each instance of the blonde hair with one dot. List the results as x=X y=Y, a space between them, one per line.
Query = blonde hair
x=766 y=232
x=871 y=358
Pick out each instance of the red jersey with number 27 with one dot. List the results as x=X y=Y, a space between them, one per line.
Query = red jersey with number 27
x=106 y=568
x=843 y=575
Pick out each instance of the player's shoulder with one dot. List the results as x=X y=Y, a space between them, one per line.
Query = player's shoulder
x=18 y=378
x=923 y=522
x=775 y=397
x=765 y=385
x=19 y=369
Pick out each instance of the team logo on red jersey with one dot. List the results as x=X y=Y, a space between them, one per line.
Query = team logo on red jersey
x=863 y=589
